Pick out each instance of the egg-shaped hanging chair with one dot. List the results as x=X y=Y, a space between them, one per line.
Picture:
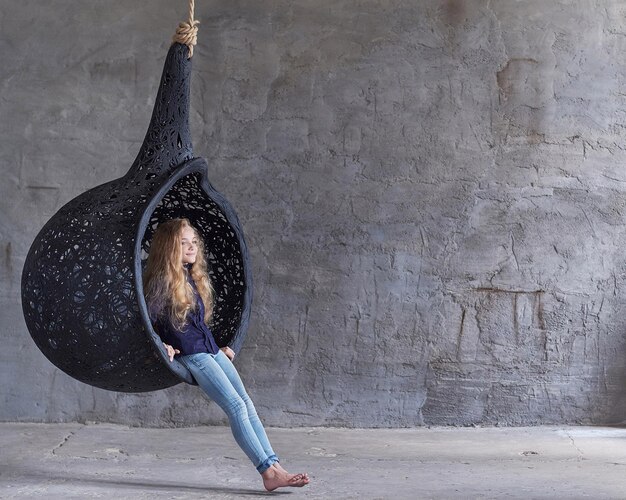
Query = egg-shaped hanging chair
x=82 y=292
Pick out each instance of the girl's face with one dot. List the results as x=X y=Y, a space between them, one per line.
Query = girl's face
x=189 y=243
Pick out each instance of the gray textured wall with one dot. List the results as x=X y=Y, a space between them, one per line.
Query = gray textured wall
x=433 y=194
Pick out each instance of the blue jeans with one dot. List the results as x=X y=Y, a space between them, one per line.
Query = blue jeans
x=218 y=377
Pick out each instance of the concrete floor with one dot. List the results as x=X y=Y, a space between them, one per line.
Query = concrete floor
x=114 y=461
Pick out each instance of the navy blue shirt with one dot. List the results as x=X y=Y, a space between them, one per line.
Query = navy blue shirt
x=195 y=337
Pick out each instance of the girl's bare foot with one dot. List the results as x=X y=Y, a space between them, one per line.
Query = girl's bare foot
x=280 y=468
x=274 y=478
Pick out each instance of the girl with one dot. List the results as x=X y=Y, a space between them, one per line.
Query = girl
x=180 y=301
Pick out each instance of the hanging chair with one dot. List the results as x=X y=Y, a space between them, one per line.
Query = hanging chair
x=82 y=292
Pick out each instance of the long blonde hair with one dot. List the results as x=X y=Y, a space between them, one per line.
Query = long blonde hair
x=165 y=278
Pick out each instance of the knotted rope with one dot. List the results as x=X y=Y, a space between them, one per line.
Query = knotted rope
x=187 y=31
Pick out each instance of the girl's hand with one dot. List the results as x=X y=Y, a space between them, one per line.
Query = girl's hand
x=171 y=352
x=229 y=352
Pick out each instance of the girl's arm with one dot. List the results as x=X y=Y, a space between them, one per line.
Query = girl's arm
x=171 y=352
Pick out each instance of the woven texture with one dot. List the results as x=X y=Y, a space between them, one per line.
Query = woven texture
x=82 y=293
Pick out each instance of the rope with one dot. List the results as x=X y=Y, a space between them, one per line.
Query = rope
x=187 y=32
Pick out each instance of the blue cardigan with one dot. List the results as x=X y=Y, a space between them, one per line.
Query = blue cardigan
x=195 y=336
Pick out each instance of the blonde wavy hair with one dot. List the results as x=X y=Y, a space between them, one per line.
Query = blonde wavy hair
x=165 y=278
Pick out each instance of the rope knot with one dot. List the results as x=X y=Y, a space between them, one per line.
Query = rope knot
x=187 y=33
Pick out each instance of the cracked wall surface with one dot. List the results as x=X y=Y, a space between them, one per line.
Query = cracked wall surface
x=432 y=193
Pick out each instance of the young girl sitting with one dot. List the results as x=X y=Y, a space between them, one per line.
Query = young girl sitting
x=179 y=296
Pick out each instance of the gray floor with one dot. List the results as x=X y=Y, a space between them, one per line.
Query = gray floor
x=113 y=461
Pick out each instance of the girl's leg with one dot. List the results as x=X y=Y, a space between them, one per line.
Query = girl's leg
x=234 y=378
x=212 y=379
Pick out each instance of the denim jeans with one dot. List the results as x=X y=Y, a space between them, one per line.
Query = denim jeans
x=218 y=377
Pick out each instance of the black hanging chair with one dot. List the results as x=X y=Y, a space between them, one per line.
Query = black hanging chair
x=82 y=292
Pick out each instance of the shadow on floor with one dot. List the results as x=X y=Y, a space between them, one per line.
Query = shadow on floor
x=41 y=476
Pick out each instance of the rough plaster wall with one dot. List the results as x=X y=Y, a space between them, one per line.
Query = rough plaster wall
x=433 y=195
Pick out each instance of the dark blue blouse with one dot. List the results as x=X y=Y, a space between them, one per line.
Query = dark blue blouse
x=195 y=336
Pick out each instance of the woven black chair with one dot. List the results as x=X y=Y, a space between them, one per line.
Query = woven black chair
x=82 y=292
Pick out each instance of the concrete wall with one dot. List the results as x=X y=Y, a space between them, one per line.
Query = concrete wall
x=433 y=193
